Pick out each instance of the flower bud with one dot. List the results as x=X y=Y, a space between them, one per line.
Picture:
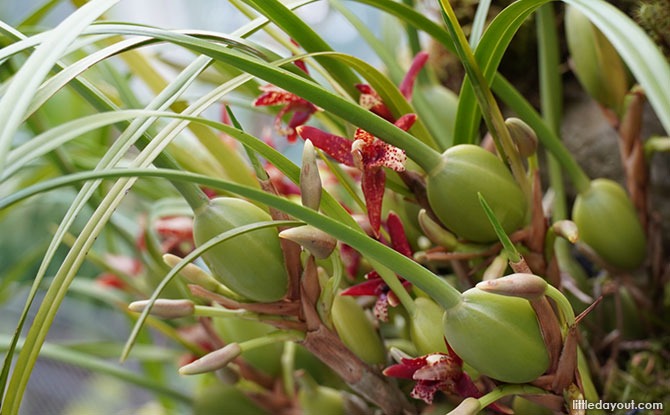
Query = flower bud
x=218 y=359
x=251 y=264
x=317 y=242
x=427 y=315
x=498 y=336
x=608 y=223
x=164 y=308
x=523 y=136
x=595 y=62
x=497 y=267
x=452 y=187
x=237 y=330
x=198 y=276
x=566 y=229
x=521 y=285
x=356 y=331
x=310 y=180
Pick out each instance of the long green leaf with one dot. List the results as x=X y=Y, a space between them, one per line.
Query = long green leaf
x=641 y=54
x=55 y=293
x=418 y=151
x=27 y=80
x=488 y=54
x=307 y=38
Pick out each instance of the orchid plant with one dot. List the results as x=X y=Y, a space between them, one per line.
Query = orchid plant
x=271 y=277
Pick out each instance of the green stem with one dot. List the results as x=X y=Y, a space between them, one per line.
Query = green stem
x=415 y=43
x=272 y=338
x=288 y=368
x=551 y=92
x=562 y=303
x=507 y=390
x=492 y=115
x=255 y=163
x=551 y=95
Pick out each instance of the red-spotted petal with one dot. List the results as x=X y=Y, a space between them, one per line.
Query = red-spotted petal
x=426 y=390
x=373 y=185
x=273 y=95
x=439 y=366
x=335 y=146
x=369 y=152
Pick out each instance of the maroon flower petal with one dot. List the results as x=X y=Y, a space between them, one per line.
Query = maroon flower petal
x=335 y=146
x=407 y=85
x=299 y=118
x=406 y=368
x=373 y=185
x=370 y=287
x=396 y=230
x=406 y=121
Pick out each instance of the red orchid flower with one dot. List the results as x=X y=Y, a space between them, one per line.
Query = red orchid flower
x=432 y=373
x=367 y=153
x=300 y=107
x=438 y=372
x=370 y=99
x=375 y=285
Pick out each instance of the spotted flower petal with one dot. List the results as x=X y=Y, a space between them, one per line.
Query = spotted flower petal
x=335 y=146
x=373 y=184
x=301 y=108
x=432 y=373
x=438 y=372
